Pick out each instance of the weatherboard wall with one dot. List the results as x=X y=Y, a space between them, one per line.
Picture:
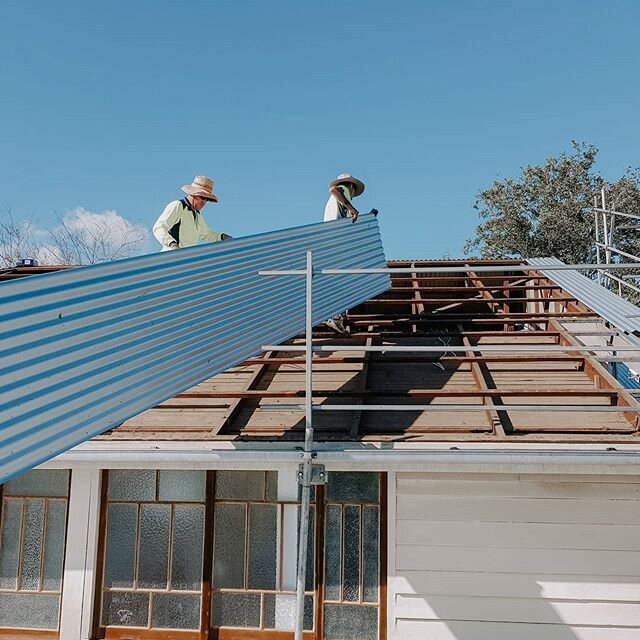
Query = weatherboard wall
x=514 y=556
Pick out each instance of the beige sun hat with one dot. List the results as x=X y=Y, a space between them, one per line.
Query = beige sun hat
x=201 y=186
x=345 y=177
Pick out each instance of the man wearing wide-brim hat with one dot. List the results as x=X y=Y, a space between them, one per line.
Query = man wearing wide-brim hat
x=342 y=190
x=182 y=224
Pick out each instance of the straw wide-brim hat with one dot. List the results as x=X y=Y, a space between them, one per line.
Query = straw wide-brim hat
x=201 y=186
x=345 y=177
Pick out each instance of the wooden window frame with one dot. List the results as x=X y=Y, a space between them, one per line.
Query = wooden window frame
x=10 y=633
x=382 y=558
x=127 y=633
x=249 y=633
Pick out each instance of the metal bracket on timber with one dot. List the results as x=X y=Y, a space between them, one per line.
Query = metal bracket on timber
x=600 y=377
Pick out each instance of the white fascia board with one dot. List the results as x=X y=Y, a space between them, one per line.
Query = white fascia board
x=593 y=459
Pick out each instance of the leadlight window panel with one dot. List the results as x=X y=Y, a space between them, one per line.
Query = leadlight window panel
x=352 y=556
x=255 y=551
x=154 y=545
x=33 y=525
x=44 y=483
x=348 y=486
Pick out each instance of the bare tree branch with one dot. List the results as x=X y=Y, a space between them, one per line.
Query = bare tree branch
x=78 y=237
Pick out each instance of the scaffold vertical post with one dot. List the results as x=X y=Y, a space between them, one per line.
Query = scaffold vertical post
x=607 y=243
x=596 y=213
x=304 y=475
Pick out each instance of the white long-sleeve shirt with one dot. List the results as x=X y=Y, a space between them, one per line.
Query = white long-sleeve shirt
x=181 y=223
x=333 y=209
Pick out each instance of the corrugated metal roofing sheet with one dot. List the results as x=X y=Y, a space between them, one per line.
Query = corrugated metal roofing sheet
x=605 y=303
x=83 y=350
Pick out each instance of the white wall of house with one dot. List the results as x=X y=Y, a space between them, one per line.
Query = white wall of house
x=499 y=557
x=471 y=556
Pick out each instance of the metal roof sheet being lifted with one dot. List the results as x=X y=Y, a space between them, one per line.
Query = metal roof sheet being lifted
x=85 y=349
x=605 y=303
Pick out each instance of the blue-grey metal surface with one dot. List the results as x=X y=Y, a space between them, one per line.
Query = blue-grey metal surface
x=85 y=349
x=623 y=374
x=605 y=303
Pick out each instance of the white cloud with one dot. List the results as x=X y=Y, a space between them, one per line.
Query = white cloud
x=121 y=230
x=78 y=236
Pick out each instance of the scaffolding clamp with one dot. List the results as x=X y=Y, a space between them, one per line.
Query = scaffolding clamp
x=318 y=474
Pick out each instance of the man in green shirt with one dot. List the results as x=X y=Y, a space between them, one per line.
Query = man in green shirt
x=182 y=224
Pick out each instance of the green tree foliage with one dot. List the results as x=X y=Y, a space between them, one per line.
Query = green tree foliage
x=624 y=196
x=547 y=210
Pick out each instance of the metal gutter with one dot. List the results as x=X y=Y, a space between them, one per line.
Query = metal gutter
x=601 y=460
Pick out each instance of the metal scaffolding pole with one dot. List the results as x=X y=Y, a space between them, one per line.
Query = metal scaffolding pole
x=597 y=231
x=484 y=348
x=463 y=408
x=519 y=268
x=607 y=249
x=304 y=475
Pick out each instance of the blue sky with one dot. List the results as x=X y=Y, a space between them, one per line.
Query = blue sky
x=113 y=106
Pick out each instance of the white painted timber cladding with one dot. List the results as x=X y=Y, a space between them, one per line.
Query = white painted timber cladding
x=515 y=558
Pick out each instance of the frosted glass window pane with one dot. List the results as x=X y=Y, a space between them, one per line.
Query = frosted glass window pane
x=229 y=531
x=170 y=611
x=349 y=622
x=333 y=552
x=181 y=486
x=10 y=545
x=125 y=609
x=311 y=538
x=351 y=587
x=32 y=545
x=262 y=546
x=370 y=542
x=29 y=611
x=122 y=530
x=188 y=543
x=132 y=484
x=272 y=485
x=236 y=610
x=153 y=555
x=280 y=612
x=39 y=482
x=240 y=485
x=346 y=486
x=54 y=545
